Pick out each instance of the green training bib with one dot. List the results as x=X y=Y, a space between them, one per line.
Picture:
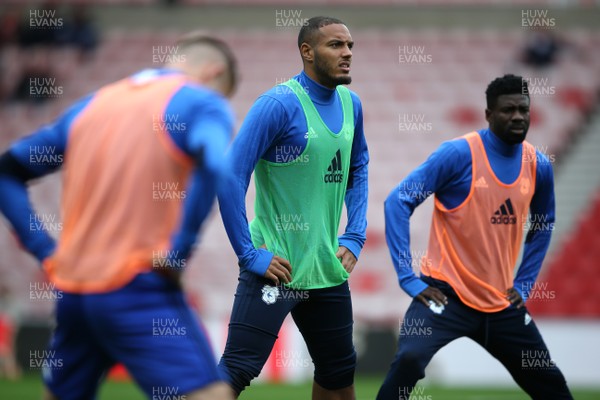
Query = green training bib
x=299 y=198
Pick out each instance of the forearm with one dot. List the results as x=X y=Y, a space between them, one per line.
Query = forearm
x=16 y=206
x=534 y=252
x=233 y=213
x=207 y=141
x=397 y=232
x=356 y=203
x=200 y=196
x=541 y=224
x=258 y=132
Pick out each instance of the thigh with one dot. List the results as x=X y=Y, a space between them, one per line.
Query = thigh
x=261 y=304
x=259 y=310
x=149 y=327
x=325 y=320
x=423 y=331
x=512 y=335
x=514 y=339
x=74 y=362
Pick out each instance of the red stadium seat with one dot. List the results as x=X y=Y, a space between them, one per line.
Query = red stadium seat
x=575 y=272
x=447 y=93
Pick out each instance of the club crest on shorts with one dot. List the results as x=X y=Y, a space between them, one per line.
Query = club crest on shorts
x=527 y=318
x=270 y=294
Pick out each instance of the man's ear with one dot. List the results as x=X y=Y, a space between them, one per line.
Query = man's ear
x=488 y=113
x=212 y=71
x=307 y=53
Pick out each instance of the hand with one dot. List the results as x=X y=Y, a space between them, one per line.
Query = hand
x=514 y=297
x=173 y=275
x=347 y=258
x=432 y=293
x=279 y=270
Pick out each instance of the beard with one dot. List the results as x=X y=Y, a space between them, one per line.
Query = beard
x=322 y=71
x=515 y=138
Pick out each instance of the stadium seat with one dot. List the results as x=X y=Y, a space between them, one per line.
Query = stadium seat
x=448 y=93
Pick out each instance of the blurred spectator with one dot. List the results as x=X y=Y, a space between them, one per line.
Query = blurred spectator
x=79 y=31
x=40 y=25
x=38 y=33
x=541 y=49
x=9 y=26
x=35 y=84
x=46 y=25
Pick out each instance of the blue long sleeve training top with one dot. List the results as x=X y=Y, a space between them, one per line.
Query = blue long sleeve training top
x=208 y=122
x=447 y=173
x=276 y=120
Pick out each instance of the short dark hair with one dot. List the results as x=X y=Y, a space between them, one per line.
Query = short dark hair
x=507 y=84
x=309 y=30
x=193 y=39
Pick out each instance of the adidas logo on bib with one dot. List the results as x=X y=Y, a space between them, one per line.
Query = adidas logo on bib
x=334 y=171
x=505 y=215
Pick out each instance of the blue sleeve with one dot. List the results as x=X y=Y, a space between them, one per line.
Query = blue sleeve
x=260 y=129
x=208 y=131
x=36 y=155
x=357 y=192
x=541 y=225
x=433 y=176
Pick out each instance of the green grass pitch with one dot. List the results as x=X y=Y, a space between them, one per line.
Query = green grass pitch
x=30 y=387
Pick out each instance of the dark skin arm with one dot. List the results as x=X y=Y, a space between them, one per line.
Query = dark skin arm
x=432 y=293
x=514 y=297
x=346 y=258
x=279 y=269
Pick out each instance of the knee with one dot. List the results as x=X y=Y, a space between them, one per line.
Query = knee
x=336 y=374
x=238 y=373
x=48 y=395
x=216 y=391
x=412 y=359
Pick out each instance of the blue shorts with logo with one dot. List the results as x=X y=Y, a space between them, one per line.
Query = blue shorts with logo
x=146 y=325
x=323 y=316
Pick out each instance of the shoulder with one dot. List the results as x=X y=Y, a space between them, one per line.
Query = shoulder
x=356 y=103
x=543 y=161
x=543 y=167
x=457 y=147
x=200 y=100
x=199 y=94
x=278 y=102
x=354 y=96
x=282 y=95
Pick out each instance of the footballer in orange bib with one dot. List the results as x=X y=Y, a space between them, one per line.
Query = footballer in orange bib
x=486 y=183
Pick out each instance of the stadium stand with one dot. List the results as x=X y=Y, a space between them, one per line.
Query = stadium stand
x=573 y=275
x=409 y=108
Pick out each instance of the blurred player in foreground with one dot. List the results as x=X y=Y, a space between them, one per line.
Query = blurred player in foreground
x=485 y=184
x=304 y=141
x=141 y=160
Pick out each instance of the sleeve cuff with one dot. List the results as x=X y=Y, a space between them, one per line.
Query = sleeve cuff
x=43 y=253
x=414 y=286
x=519 y=288
x=259 y=262
x=350 y=245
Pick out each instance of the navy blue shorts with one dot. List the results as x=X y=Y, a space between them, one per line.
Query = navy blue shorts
x=146 y=325
x=323 y=316
x=510 y=336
